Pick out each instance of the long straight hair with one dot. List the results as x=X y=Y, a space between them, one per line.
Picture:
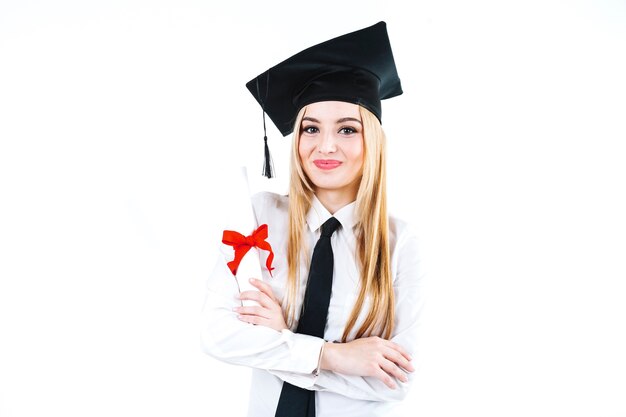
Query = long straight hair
x=372 y=233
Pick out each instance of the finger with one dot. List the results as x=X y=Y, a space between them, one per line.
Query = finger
x=393 y=370
x=399 y=349
x=253 y=319
x=385 y=378
x=399 y=359
x=253 y=311
x=263 y=287
x=257 y=296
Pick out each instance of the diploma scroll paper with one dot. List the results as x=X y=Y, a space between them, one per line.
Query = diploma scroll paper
x=240 y=218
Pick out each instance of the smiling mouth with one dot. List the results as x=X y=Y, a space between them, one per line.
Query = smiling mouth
x=326 y=163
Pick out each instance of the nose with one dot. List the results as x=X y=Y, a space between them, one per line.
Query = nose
x=327 y=142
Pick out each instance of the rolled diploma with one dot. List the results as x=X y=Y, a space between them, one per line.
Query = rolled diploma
x=240 y=218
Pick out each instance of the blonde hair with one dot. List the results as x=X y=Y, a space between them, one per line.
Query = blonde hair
x=372 y=233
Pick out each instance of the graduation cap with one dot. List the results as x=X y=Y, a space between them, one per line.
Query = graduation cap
x=357 y=67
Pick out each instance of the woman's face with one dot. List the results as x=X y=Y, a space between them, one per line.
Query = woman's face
x=331 y=148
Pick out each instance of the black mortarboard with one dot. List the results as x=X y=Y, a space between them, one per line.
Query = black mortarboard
x=357 y=67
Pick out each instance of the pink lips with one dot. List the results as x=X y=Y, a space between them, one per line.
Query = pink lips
x=326 y=163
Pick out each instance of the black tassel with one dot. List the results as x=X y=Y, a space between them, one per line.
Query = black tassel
x=268 y=166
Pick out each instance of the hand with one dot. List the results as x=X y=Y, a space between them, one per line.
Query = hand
x=370 y=356
x=268 y=313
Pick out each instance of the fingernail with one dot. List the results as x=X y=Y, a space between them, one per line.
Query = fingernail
x=252 y=280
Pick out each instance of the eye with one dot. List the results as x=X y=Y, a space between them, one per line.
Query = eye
x=347 y=130
x=310 y=129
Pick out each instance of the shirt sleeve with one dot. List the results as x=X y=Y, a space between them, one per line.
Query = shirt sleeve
x=225 y=337
x=409 y=297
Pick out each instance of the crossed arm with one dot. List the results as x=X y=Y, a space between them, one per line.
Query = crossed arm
x=371 y=356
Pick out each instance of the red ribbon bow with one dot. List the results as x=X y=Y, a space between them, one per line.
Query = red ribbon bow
x=242 y=244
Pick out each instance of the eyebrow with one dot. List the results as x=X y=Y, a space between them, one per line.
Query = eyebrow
x=342 y=120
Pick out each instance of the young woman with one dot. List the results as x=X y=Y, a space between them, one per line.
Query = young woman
x=359 y=360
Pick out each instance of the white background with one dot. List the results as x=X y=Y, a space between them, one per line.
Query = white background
x=118 y=121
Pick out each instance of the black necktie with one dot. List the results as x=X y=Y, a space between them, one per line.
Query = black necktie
x=295 y=401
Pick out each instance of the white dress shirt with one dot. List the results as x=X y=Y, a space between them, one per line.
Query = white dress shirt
x=287 y=356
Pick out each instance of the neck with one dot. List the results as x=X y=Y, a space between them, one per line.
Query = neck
x=334 y=200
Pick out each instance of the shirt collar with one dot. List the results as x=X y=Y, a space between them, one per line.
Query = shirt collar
x=318 y=215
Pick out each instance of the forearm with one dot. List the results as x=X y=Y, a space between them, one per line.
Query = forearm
x=227 y=338
x=353 y=386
